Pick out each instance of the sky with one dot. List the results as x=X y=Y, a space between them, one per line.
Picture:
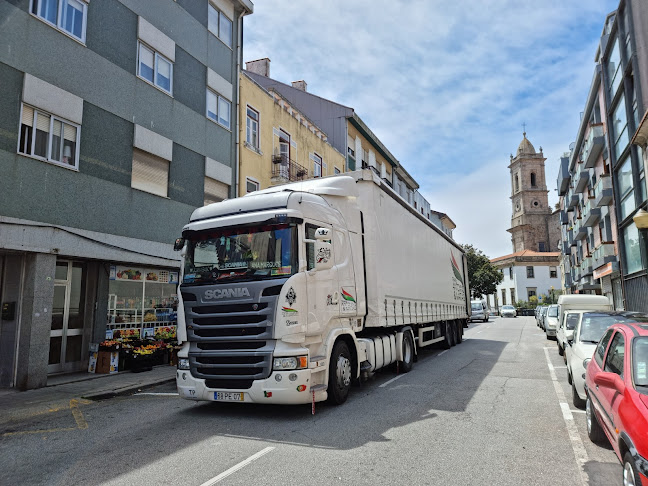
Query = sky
x=447 y=86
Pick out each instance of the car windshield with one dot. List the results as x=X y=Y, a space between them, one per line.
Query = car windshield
x=553 y=311
x=571 y=321
x=508 y=307
x=594 y=325
x=640 y=363
x=245 y=253
x=476 y=307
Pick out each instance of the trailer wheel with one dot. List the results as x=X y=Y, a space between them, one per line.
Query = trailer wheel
x=458 y=332
x=339 y=374
x=408 y=353
x=447 y=338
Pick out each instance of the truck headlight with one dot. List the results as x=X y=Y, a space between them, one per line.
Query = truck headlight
x=183 y=363
x=290 y=363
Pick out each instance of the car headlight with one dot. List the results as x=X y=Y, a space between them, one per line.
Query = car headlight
x=290 y=363
x=183 y=363
x=586 y=362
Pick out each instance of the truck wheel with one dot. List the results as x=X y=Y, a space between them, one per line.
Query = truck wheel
x=339 y=374
x=458 y=332
x=408 y=353
x=447 y=338
x=594 y=430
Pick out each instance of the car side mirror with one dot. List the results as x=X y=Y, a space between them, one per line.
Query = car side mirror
x=569 y=335
x=323 y=249
x=610 y=380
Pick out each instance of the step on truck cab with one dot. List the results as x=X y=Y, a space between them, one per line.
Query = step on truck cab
x=289 y=294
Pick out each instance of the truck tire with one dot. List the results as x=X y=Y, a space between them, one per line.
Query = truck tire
x=408 y=353
x=447 y=338
x=340 y=374
x=458 y=332
x=453 y=333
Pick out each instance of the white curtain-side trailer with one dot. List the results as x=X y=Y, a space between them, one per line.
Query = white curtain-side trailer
x=290 y=294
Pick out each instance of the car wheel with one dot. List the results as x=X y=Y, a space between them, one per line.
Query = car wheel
x=630 y=474
x=569 y=378
x=561 y=351
x=340 y=374
x=594 y=430
x=576 y=400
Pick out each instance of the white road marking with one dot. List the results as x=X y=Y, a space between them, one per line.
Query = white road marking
x=577 y=444
x=443 y=352
x=165 y=394
x=390 y=381
x=559 y=367
x=240 y=465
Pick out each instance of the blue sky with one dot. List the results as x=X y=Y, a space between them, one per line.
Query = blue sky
x=446 y=86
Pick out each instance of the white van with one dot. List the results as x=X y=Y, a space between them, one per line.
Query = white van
x=479 y=311
x=576 y=302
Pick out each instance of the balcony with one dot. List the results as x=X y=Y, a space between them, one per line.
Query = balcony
x=573 y=202
x=603 y=254
x=594 y=145
x=286 y=170
x=563 y=176
x=568 y=280
x=586 y=267
x=566 y=248
x=582 y=178
x=564 y=220
x=603 y=192
x=591 y=214
x=580 y=231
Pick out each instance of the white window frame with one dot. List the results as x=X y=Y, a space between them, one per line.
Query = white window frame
x=219 y=98
x=336 y=170
x=156 y=57
x=248 y=119
x=317 y=163
x=228 y=42
x=48 y=158
x=252 y=180
x=59 y=17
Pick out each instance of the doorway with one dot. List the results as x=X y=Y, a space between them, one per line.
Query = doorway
x=68 y=312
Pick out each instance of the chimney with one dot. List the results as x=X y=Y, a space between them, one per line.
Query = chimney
x=260 y=66
x=299 y=85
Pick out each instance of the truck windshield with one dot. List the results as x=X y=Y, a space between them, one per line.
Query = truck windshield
x=246 y=253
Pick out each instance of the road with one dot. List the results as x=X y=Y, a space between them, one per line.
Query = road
x=487 y=411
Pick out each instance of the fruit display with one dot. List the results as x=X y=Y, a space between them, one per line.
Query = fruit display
x=130 y=274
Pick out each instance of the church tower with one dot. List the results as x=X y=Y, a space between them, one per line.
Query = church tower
x=529 y=196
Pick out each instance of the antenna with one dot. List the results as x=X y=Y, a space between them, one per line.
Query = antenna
x=524 y=127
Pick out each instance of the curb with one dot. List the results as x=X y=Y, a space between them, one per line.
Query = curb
x=116 y=392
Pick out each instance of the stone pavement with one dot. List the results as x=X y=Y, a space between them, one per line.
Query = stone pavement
x=63 y=389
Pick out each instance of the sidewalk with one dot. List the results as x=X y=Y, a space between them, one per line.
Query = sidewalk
x=60 y=390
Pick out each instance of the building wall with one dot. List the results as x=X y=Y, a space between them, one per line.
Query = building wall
x=520 y=283
x=374 y=158
x=258 y=165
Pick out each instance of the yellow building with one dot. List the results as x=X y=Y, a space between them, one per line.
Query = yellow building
x=366 y=150
x=278 y=144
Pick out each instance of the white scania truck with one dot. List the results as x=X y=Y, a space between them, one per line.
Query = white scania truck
x=289 y=294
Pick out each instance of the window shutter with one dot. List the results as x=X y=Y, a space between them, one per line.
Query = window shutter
x=69 y=132
x=215 y=191
x=42 y=122
x=28 y=116
x=150 y=173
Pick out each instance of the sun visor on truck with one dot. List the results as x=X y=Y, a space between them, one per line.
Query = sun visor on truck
x=241 y=205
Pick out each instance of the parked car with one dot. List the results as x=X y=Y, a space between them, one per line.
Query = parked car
x=589 y=330
x=551 y=321
x=568 y=302
x=565 y=330
x=538 y=310
x=479 y=312
x=617 y=397
x=508 y=311
x=543 y=311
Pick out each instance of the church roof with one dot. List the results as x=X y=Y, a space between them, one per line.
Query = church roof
x=525 y=146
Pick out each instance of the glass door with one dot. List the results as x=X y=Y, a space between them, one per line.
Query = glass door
x=68 y=309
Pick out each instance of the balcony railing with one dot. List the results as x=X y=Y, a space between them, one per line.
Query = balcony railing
x=586 y=267
x=582 y=178
x=287 y=170
x=563 y=176
x=593 y=146
x=603 y=254
x=591 y=214
x=603 y=192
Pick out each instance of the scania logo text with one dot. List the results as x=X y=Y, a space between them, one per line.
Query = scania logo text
x=227 y=293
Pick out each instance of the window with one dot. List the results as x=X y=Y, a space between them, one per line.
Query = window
x=613 y=71
x=614 y=360
x=531 y=293
x=215 y=191
x=631 y=250
x=310 y=245
x=553 y=272
x=251 y=185
x=530 y=272
x=154 y=68
x=619 y=127
x=517 y=183
x=336 y=170
x=541 y=244
x=351 y=161
x=317 y=166
x=218 y=109
x=252 y=128
x=626 y=188
x=503 y=296
x=533 y=179
x=67 y=15
x=150 y=173
x=511 y=273
x=53 y=139
x=600 y=349
x=512 y=296
x=219 y=25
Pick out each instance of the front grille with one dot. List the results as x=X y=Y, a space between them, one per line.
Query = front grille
x=227 y=309
x=229 y=332
x=229 y=384
x=225 y=345
x=228 y=320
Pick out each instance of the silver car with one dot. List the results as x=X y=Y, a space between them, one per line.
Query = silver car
x=551 y=321
x=479 y=312
x=508 y=311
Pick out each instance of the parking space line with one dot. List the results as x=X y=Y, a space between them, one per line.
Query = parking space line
x=240 y=465
x=577 y=444
x=159 y=394
x=390 y=381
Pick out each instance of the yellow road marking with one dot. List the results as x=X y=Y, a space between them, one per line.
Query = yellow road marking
x=78 y=416
x=76 y=413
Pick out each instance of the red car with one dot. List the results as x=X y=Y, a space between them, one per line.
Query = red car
x=616 y=384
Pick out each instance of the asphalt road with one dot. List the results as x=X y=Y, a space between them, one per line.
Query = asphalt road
x=487 y=411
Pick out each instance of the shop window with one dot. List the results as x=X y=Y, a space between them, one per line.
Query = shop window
x=219 y=109
x=69 y=16
x=219 y=25
x=154 y=68
x=215 y=191
x=631 y=249
x=150 y=173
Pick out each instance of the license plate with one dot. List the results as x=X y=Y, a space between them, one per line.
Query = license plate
x=229 y=396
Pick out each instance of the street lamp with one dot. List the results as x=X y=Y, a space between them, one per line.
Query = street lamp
x=641 y=219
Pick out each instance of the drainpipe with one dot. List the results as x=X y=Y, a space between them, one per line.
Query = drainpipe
x=238 y=102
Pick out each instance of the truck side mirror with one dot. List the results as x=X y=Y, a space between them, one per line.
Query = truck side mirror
x=323 y=249
x=179 y=244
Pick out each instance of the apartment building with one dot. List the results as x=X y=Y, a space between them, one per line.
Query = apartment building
x=117 y=119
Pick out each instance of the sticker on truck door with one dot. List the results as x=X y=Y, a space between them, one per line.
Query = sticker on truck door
x=348 y=300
